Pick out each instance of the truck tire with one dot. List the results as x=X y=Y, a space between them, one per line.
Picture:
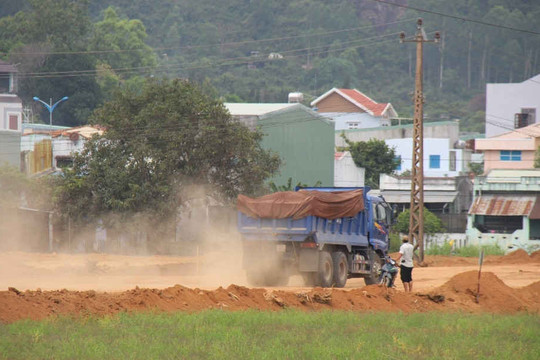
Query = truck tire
x=325 y=274
x=373 y=277
x=341 y=268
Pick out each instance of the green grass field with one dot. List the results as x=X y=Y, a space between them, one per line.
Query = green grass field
x=275 y=335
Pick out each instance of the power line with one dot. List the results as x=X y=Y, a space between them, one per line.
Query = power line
x=457 y=17
x=232 y=43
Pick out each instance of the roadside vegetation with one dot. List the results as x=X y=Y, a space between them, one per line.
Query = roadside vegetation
x=466 y=251
x=275 y=335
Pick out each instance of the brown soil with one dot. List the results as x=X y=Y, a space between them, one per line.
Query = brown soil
x=508 y=284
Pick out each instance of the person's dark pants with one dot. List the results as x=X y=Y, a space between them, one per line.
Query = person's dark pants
x=405 y=273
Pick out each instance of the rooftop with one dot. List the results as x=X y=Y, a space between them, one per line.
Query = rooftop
x=256 y=109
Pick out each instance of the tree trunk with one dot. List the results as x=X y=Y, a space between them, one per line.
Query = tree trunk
x=484 y=60
x=469 y=61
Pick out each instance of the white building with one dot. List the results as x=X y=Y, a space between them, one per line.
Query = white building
x=346 y=173
x=441 y=159
x=511 y=106
x=10 y=116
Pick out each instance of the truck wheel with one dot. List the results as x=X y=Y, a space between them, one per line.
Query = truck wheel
x=341 y=268
x=326 y=270
x=373 y=277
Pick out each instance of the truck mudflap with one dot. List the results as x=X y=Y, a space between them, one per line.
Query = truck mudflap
x=308 y=260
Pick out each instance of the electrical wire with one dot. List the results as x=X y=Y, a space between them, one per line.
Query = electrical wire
x=455 y=17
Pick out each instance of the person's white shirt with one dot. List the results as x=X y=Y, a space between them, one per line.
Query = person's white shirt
x=406 y=251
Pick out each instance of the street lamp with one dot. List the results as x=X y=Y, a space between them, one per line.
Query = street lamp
x=50 y=105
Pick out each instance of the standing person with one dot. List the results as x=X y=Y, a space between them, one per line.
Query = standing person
x=406 y=264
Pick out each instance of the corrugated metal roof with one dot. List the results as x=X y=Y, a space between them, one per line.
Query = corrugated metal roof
x=402 y=196
x=256 y=109
x=503 y=205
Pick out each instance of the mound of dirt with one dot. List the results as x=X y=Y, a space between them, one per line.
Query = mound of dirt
x=458 y=294
x=535 y=256
x=493 y=294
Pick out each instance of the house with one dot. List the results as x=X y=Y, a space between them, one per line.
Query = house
x=444 y=153
x=352 y=109
x=46 y=148
x=67 y=142
x=511 y=106
x=506 y=209
x=449 y=198
x=346 y=173
x=302 y=138
x=514 y=149
x=10 y=116
x=441 y=158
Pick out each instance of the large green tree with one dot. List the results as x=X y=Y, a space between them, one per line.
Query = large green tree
x=373 y=155
x=159 y=142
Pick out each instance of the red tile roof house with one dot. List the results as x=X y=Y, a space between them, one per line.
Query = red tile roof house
x=352 y=109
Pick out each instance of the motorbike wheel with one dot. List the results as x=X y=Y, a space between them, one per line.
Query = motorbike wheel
x=387 y=281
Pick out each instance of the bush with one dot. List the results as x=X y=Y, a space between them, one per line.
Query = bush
x=432 y=224
x=465 y=251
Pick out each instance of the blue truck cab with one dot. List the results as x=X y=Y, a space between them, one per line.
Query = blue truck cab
x=326 y=252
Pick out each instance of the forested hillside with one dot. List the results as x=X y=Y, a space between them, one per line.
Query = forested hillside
x=259 y=51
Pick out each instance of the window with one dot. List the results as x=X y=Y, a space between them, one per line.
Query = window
x=13 y=122
x=510 y=155
x=452 y=161
x=397 y=160
x=531 y=115
x=526 y=117
x=434 y=161
x=353 y=125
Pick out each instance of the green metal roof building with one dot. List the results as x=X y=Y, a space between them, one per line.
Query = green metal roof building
x=303 y=139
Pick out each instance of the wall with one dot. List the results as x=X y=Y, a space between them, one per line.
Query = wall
x=442 y=129
x=63 y=146
x=10 y=105
x=346 y=173
x=335 y=102
x=492 y=161
x=10 y=147
x=305 y=142
x=440 y=147
x=364 y=120
x=503 y=101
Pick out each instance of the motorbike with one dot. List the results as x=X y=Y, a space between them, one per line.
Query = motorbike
x=388 y=272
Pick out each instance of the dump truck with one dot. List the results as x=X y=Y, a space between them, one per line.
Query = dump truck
x=326 y=235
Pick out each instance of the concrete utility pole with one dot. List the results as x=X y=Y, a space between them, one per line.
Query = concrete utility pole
x=416 y=221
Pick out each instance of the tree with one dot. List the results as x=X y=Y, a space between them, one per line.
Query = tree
x=432 y=224
x=126 y=37
x=537 y=158
x=49 y=47
x=373 y=155
x=159 y=142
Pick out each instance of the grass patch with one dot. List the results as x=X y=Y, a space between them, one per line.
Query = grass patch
x=275 y=335
x=465 y=251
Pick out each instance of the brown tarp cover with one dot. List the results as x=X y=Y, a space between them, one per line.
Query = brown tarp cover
x=299 y=204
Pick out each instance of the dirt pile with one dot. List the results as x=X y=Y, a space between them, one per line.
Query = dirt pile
x=458 y=294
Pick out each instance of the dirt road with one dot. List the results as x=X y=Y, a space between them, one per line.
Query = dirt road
x=102 y=272
x=39 y=285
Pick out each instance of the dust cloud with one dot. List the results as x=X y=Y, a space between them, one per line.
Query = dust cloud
x=199 y=248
